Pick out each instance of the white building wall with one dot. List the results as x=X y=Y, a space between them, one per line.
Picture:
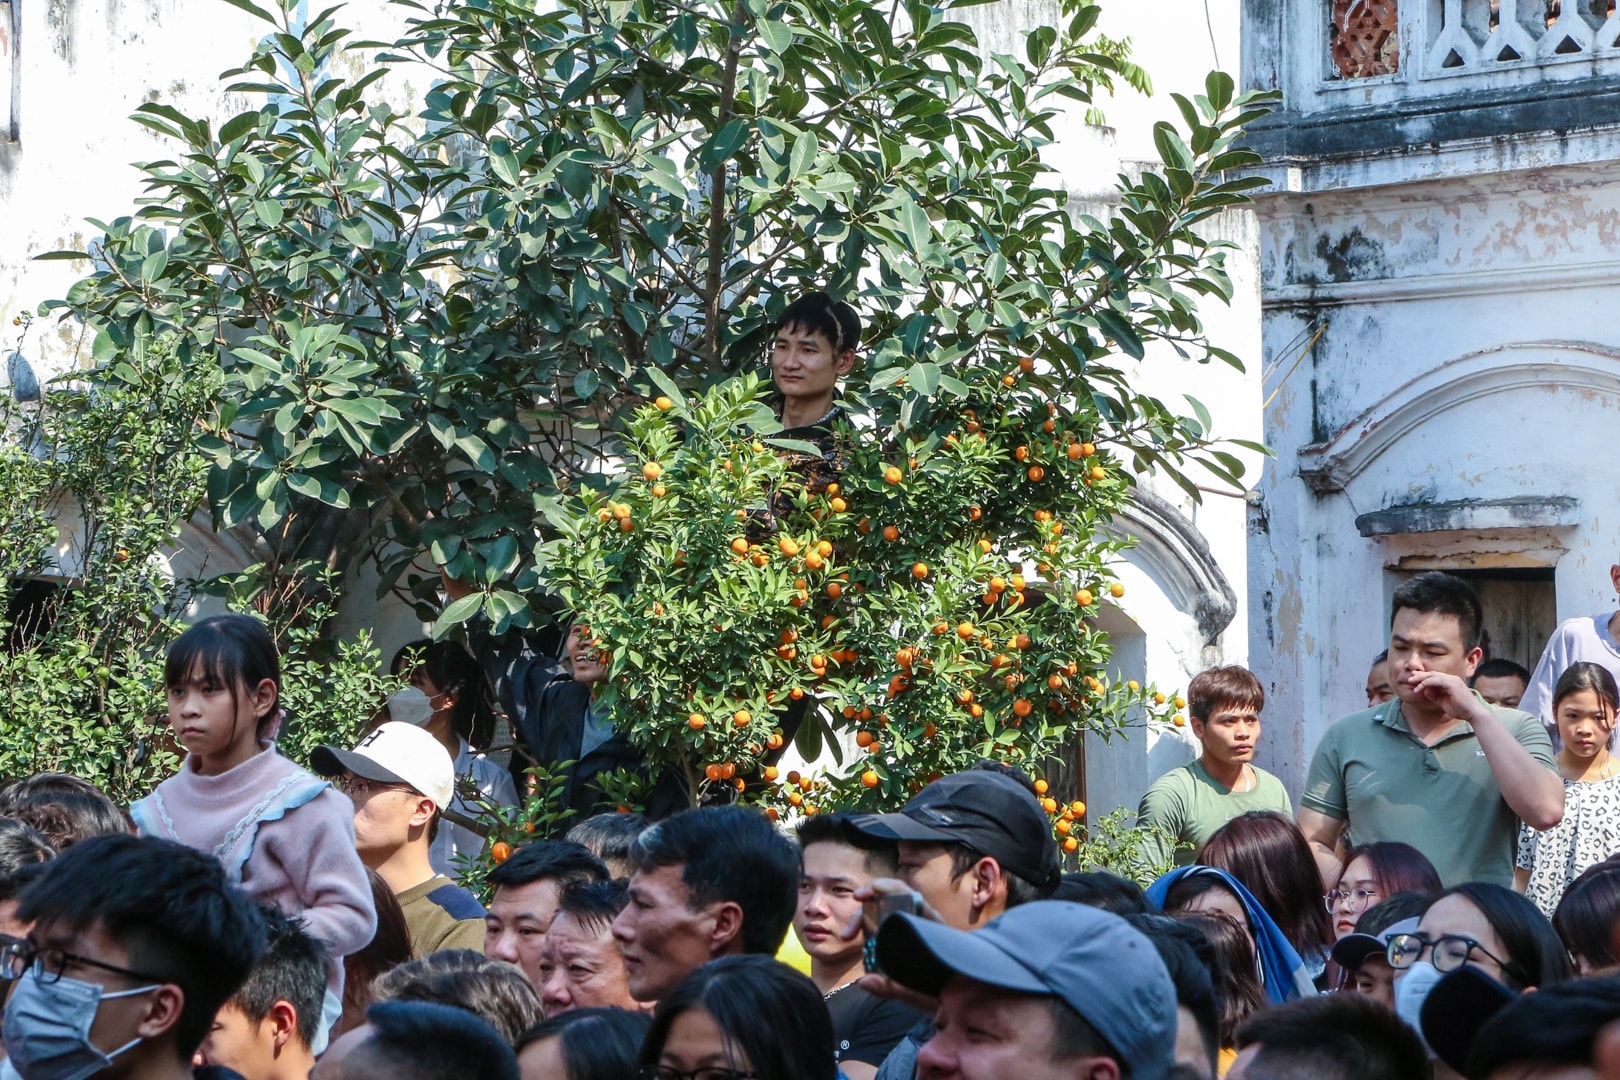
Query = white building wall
x=1453 y=237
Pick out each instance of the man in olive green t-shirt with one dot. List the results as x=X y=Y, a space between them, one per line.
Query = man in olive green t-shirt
x=1438 y=767
x=1189 y=804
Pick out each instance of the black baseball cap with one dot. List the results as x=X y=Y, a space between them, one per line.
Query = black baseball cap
x=990 y=812
x=1457 y=1008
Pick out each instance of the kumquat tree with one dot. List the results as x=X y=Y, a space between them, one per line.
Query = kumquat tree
x=519 y=337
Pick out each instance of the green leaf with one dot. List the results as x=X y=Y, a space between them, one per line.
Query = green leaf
x=458 y=612
x=1121 y=332
x=252 y=9
x=804 y=155
x=778 y=37
x=238 y=126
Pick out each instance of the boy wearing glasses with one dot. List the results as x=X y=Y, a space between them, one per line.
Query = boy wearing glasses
x=136 y=943
x=400 y=778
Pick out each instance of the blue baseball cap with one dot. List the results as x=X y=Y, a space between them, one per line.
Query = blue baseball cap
x=1092 y=960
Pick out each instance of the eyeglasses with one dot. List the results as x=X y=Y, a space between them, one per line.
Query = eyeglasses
x=713 y=1072
x=16 y=957
x=361 y=788
x=1354 y=900
x=1449 y=951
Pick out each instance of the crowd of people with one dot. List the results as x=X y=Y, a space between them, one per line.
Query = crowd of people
x=1444 y=900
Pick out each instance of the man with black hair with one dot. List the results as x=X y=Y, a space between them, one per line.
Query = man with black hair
x=526 y=887
x=1330 y=1037
x=1189 y=958
x=1378 y=688
x=711 y=882
x=865 y=1028
x=972 y=846
x=264 y=1032
x=1501 y=682
x=136 y=943
x=419 y=1040
x=609 y=836
x=582 y=967
x=1100 y=889
x=1438 y=767
x=814 y=346
x=23 y=852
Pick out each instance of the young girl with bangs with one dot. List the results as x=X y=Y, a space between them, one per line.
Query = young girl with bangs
x=1585 y=702
x=283 y=834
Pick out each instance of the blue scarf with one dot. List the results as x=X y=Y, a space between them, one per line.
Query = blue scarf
x=1281 y=969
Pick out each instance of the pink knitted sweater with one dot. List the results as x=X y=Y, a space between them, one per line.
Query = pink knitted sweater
x=284 y=834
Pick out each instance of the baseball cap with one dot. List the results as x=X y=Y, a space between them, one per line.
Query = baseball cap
x=1092 y=960
x=1352 y=950
x=1457 y=1008
x=988 y=811
x=396 y=753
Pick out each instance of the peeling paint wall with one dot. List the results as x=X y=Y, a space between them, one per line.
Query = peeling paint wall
x=1468 y=356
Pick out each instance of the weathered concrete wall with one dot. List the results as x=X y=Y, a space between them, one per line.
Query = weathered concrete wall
x=1455 y=249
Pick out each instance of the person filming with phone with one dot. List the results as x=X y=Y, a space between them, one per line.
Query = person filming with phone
x=972 y=846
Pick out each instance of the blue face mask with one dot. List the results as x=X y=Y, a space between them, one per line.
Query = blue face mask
x=1411 y=991
x=47 y=1029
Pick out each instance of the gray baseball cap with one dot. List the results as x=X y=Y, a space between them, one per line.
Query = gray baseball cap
x=1094 y=961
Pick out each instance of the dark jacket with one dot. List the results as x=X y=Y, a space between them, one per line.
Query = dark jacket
x=552 y=729
x=547 y=711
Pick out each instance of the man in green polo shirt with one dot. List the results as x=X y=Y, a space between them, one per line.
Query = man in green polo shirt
x=1190 y=803
x=1438 y=767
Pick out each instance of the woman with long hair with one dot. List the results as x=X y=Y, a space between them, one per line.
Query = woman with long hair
x=1585 y=703
x=1478 y=925
x=1203 y=890
x=1237 y=980
x=1372 y=874
x=746 y=1014
x=1267 y=853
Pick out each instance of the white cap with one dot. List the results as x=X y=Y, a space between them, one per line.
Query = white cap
x=396 y=753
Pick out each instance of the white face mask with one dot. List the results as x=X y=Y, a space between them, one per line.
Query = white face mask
x=410 y=706
x=1411 y=991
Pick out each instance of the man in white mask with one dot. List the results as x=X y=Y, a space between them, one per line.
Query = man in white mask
x=136 y=944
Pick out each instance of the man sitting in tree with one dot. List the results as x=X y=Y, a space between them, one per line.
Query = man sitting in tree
x=814 y=346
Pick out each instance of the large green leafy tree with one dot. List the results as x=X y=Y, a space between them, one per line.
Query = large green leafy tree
x=439 y=337
x=427 y=326
x=97 y=480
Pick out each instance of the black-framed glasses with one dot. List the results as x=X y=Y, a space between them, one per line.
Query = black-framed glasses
x=1353 y=899
x=16 y=957
x=713 y=1072
x=1448 y=951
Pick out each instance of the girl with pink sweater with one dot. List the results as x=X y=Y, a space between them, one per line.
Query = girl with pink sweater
x=282 y=833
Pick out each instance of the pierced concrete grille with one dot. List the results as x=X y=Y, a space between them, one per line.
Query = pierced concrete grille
x=1366 y=38
x=1479 y=35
